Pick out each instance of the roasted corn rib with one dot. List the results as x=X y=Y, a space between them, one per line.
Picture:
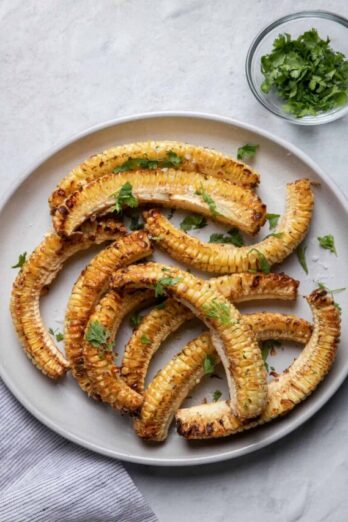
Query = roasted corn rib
x=290 y=388
x=37 y=273
x=101 y=369
x=226 y=258
x=160 y=323
x=173 y=383
x=193 y=159
x=88 y=290
x=235 y=205
x=232 y=336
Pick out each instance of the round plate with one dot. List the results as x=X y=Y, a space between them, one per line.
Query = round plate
x=62 y=406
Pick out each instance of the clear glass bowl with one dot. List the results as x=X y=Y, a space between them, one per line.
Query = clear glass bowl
x=327 y=24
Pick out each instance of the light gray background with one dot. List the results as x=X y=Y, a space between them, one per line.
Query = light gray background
x=69 y=64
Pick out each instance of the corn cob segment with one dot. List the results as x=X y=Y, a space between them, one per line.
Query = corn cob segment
x=226 y=258
x=173 y=383
x=232 y=336
x=286 y=391
x=235 y=205
x=101 y=369
x=37 y=273
x=160 y=323
x=87 y=291
x=194 y=159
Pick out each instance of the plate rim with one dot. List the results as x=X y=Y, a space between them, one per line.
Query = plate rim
x=192 y=461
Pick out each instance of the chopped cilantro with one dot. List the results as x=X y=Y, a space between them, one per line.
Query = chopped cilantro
x=216 y=395
x=234 y=237
x=218 y=310
x=262 y=261
x=328 y=242
x=306 y=73
x=124 y=196
x=164 y=282
x=98 y=336
x=58 y=335
x=208 y=200
x=144 y=339
x=301 y=256
x=135 y=223
x=246 y=152
x=172 y=160
x=276 y=234
x=135 y=320
x=193 y=222
x=21 y=260
x=332 y=292
x=208 y=364
x=266 y=347
x=273 y=220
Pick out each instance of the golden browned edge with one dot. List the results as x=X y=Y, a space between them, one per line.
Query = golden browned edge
x=196 y=159
x=226 y=258
x=233 y=339
x=286 y=391
x=89 y=288
x=100 y=365
x=173 y=383
x=236 y=205
x=160 y=323
x=35 y=276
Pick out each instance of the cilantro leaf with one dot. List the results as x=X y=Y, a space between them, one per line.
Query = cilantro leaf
x=332 y=292
x=208 y=200
x=276 y=234
x=208 y=364
x=55 y=333
x=266 y=347
x=216 y=395
x=218 y=310
x=193 y=222
x=124 y=196
x=164 y=282
x=21 y=260
x=246 y=152
x=264 y=265
x=234 y=237
x=144 y=339
x=172 y=160
x=135 y=320
x=328 y=242
x=273 y=220
x=135 y=223
x=301 y=256
x=98 y=336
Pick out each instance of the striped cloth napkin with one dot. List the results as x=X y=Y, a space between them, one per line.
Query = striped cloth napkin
x=43 y=477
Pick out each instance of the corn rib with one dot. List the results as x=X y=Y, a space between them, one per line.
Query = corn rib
x=226 y=258
x=160 y=323
x=235 y=205
x=173 y=383
x=232 y=336
x=194 y=159
x=286 y=391
x=37 y=273
x=87 y=291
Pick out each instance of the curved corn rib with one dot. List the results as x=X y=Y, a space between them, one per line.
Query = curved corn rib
x=194 y=159
x=160 y=323
x=100 y=366
x=173 y=383
x=225 y=258
x=290 y=388
x=87 y=291
x=232 y=336
x=174 y=188
x=37 y=273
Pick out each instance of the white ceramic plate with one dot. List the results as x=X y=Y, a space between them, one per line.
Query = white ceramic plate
x=25 y=218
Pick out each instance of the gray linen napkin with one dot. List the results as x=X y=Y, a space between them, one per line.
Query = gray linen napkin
x=43 y=477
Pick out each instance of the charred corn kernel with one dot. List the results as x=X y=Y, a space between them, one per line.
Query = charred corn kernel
x=226 y=258
x=284 y=392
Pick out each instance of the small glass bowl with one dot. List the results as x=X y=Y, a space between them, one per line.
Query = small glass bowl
x=327 y=24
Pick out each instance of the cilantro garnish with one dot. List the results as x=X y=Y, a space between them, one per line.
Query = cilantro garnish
x=216 y=395
x=124 y=196
x=273 y=220
x=172 y=160
x=144 y=339
x=264 y=265
x=234 y=237
x=332 y=292
x=98 y=336
x=328 y=242
x=135 y=320
x=301 y=256
x=135 y=223
x=306 y=73
x=246 y=152
x=58 y=335
x=193 y=222
x=276 y=234
x=21 y=260
x=208 y=364
x=163 y=282
x=266 y=347
x=218 y=310
x=208 y=200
